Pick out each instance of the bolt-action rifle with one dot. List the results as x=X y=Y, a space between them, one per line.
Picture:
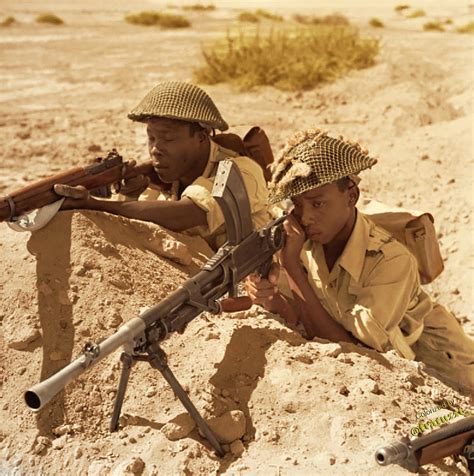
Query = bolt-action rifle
x=97 y=178
x=245 y=251
x=453 y=438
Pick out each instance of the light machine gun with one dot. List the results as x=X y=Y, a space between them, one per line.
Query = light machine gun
x=245 y=251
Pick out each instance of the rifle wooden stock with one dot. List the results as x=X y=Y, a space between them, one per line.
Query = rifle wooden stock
x=103 y=173
x=441 y=449
x=450 y=439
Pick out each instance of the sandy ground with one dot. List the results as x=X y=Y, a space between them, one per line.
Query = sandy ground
x=308 y=407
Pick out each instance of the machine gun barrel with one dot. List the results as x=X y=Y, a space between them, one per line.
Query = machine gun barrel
x=197 y=294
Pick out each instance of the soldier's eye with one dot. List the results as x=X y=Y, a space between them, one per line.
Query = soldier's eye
x=318 y=204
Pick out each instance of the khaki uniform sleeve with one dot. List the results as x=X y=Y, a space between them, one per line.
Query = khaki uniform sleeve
x=200 y=192
x=381 y=303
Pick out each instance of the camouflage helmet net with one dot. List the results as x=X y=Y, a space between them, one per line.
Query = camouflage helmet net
x=182 y=101
x=312 y=159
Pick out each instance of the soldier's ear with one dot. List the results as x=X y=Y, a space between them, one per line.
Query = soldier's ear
x=354 y=194
x=203 y=135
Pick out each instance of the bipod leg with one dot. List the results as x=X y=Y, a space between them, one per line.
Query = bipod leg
x=127 y=363
x=158 y=360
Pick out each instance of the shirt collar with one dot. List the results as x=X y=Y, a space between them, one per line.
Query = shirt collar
x=353 y=256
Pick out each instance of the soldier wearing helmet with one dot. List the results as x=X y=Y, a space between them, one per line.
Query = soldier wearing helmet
x=179 y=118
x=347 y=278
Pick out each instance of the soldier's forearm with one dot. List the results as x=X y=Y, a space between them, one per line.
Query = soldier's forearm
x=315 y=319
x=177 y=216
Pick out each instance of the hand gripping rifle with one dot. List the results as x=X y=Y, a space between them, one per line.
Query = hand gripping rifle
x=452 y=438
x=245 y=251
x=96 y=178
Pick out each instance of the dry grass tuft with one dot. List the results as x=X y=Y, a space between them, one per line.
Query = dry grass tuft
x=199 y=7
x=248 y=17
x=168 y=20
x=334 y=19
x=376 y=23
x=49 y=18
x=416 y=14
x=433 y=26
x=143 y=18
x=8 y=21
x=401 y=8
x=268 y=15
x=294 y=58
x=468 y=28
x=164 y=20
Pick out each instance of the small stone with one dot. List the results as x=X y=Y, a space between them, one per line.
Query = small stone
x=19 y=334
x=237 y=448
x=179 y=427
x=343 y=390
x=331 y=349
x=304 y=358
x=368 y=385
x=225 y=393
x=78 y=452
x=58 y=443
x=62 y=430
x=115 y=319
x=132 y=440
x=228 y=427
x=40 y=444
x=332 y=460
x=151 y=392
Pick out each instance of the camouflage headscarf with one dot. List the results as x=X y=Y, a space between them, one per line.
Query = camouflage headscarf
x=312 y=159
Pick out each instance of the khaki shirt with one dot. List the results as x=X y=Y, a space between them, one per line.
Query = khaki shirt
x=200 y=192
x=373 y=290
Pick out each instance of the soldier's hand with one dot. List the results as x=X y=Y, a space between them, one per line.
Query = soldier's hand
x=135 y=186
x=76 y=197
x=295 y=239
x=264 y=291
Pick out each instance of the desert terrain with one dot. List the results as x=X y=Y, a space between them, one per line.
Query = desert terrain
x=298 y=407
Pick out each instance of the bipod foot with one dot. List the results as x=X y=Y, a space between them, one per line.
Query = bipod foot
x=159 y=361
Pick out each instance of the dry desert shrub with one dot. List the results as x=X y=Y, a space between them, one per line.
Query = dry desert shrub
x=165 y=20
x=143 y=18
x=468 y=28
x=268 y=15
x=8 y=21
x=295 y=58
x=376 y=23
x=401 y=8
x=416 y=14
x=49 y=18
x=168 y=20
x=248 y=17
x=433 y=26
x=199 y=7
x=334 y=19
